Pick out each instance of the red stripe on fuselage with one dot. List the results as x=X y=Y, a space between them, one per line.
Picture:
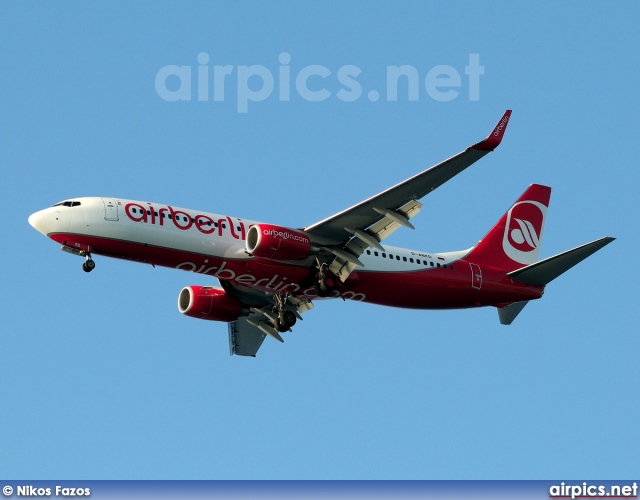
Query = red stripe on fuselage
x=439 y=288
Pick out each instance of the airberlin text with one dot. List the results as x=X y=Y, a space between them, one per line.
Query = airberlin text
x=286 y=235
x=274 y=284
x=33 y=491
x=184 y=221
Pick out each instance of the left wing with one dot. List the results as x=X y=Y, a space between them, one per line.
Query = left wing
x=372 y=220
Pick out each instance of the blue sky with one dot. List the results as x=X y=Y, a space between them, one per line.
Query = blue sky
x=102 y=378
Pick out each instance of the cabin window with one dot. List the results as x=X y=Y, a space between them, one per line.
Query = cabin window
x=404 y=258
x=375 y=253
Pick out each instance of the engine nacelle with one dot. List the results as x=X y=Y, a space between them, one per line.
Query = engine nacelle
x=208 y=302
x=277 y=243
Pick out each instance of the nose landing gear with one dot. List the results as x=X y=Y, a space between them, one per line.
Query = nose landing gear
x=88 y=265
x=83 y=251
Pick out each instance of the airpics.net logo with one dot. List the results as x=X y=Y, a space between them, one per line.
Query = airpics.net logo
x=219 y=83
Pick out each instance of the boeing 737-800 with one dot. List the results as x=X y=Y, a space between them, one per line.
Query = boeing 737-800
x=270 y=275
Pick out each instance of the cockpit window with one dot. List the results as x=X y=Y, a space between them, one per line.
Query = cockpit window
x=67 y=204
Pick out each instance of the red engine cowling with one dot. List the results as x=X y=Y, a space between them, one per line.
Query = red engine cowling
x=207 y=302
x=277 y=243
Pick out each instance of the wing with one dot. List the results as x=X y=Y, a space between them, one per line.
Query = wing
x=371 y=221
x=247 y=333
x=244 y=338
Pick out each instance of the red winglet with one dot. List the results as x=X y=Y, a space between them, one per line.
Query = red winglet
x=494 y=139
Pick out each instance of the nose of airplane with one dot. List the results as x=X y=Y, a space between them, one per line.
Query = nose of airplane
x=39 y=221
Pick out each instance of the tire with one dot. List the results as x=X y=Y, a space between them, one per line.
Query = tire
x=325 y=286
x=288 y=318
x=285 y=321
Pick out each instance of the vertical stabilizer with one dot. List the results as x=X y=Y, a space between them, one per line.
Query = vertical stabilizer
x=515 y=240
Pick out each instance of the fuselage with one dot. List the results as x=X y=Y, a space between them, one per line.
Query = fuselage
x=214 y=245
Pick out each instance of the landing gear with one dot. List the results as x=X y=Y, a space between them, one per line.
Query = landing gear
x=81 y=250
x=88 y=265
x=285 y=318
x=325 y=282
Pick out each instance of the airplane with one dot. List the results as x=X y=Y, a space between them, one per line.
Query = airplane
x=270 y=275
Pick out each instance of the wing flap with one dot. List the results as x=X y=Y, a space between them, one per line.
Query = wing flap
x=382 y=229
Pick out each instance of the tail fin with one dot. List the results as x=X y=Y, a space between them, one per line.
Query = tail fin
x=515 y=240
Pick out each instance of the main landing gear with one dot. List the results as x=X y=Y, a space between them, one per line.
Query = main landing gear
x=88 y=265
x=325 y=282
x=285 y=318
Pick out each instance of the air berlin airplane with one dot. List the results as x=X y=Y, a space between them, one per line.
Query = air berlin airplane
x=270 y=275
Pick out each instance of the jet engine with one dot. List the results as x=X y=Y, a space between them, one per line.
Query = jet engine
x=208 y=302
x=277 y=243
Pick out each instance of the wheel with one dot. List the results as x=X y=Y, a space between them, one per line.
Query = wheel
x=88 y=266
x=288 y=318
x=285 y=321
x=325 y=286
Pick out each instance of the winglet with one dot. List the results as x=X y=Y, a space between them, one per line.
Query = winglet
x=494 y=139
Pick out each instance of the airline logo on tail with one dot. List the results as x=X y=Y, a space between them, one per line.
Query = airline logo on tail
x=523 y=231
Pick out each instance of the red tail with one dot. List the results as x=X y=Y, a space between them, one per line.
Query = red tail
x=514 y=242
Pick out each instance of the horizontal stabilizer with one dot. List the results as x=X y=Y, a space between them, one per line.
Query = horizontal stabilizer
x=508 y=313
x=545 y=271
